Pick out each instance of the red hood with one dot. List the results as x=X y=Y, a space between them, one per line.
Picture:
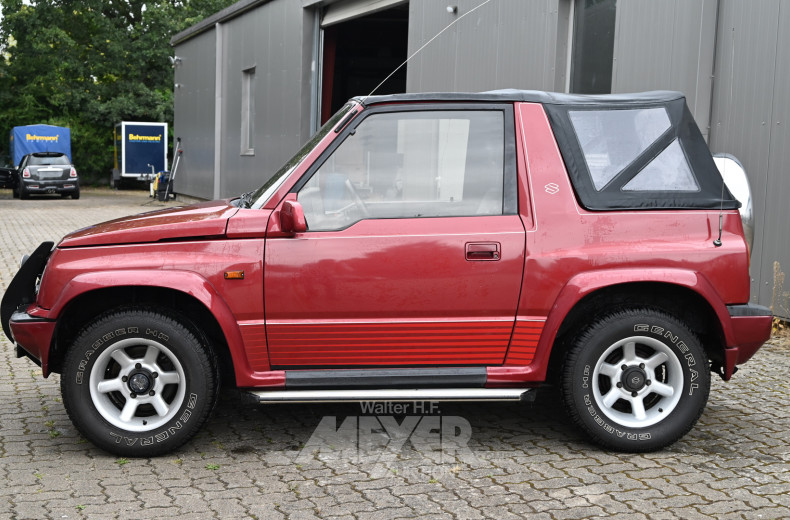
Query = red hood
x=208 y=219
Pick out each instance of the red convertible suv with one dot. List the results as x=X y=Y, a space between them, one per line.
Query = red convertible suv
x=420 y=247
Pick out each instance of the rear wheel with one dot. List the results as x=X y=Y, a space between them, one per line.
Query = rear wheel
x=139 y=383
x=23 y=194
x=75 y=194
x=636 y=380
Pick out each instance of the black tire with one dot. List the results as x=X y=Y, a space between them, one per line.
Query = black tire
x=75 y=194
x=14 y=192
x=636 y=380
x=159 y=354
x=23 y=194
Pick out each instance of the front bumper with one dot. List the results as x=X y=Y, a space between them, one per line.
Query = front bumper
x=30 y=332
x=751 y=327
x=33 y=337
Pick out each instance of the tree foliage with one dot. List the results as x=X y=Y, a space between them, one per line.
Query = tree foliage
x=88 y=64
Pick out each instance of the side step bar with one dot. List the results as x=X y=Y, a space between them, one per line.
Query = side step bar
x=397 y=394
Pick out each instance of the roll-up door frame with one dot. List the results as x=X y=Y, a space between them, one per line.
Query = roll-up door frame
x=350 y=9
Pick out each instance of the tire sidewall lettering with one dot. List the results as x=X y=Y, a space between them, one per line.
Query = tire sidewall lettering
x=673 y=339
x=684 y=347
x=79 y=376
x=148 y=440
x=608 y=428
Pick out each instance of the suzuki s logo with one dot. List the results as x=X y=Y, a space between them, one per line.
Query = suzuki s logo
x=551 y=188
x=635 y=381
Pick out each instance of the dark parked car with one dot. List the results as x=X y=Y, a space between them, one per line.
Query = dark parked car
x=46 y=172
x=6 y=173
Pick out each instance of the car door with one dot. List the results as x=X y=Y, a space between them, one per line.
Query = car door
x=5 y=177
x=414 y=252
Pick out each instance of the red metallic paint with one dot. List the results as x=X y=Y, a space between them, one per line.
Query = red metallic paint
x=749 y=333
x=387 y=343
x=200 y=220
x=513 y=376
x=254 y=336
x=292 y=218
x=248 y=223
x=193 y=268
x=386 y=273
x=524 y=342
x=37 y=338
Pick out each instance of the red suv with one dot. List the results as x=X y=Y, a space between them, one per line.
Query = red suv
x=420 y=247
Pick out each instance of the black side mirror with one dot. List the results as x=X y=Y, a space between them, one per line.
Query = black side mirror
x=292 y=217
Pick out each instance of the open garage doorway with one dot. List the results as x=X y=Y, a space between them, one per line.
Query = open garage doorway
x=361 y=49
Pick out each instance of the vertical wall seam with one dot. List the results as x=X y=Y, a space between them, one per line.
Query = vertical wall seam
x=218 y=96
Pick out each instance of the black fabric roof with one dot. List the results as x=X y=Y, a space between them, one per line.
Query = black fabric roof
x=530 y=96
x=712 y=193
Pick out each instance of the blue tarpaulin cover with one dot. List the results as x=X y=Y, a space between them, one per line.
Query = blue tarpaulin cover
x=39 y=138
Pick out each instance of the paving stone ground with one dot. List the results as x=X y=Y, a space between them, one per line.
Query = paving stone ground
x=506 y=461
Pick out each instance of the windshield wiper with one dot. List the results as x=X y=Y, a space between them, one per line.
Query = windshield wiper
x=246 y=199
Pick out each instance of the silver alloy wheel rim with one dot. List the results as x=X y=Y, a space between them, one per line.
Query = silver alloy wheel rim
x=112 y=396
x=661 y=396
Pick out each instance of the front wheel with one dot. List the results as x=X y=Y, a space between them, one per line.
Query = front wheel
x=139 y=383
x=636 y=380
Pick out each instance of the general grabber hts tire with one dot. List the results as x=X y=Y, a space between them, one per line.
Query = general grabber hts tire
x=139 y=383
x=636 y=380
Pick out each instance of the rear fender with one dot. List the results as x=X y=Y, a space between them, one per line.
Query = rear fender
x=586 y=283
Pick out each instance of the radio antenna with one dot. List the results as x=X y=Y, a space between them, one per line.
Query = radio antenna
x=717 y=242
x=424 y=46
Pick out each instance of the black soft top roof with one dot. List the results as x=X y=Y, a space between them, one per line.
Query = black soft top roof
x=529 y=96
x=705 y=190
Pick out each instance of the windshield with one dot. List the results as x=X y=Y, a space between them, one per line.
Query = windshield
x=259 y=197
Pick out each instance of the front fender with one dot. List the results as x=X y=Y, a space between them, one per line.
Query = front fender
x=186 y=282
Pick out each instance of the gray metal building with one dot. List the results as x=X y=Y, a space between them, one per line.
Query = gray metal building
x=254 y=81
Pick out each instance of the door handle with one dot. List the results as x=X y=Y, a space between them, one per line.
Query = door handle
x=483 y=251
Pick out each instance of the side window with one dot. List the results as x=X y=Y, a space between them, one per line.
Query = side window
x=612 y=139
x=409 y=165
x=669 y=171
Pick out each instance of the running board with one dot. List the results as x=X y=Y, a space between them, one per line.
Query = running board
x=398 y=394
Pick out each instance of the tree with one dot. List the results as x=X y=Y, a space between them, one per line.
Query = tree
x=88 y=64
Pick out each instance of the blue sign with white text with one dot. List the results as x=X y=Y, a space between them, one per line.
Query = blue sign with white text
x=146 y=148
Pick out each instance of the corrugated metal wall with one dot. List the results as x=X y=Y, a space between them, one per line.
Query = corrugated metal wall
x=506 y=43
x=751 y=116
x=194 y=122
x=270 y=38
x=667 y=45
